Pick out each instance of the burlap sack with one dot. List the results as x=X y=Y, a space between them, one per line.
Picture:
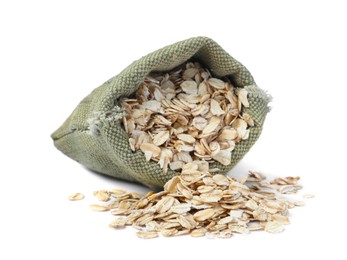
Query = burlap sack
x=93 y=134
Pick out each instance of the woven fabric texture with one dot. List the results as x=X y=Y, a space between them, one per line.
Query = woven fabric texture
x=93 y=135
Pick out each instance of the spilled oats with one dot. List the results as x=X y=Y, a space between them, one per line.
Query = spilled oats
x=200 y=204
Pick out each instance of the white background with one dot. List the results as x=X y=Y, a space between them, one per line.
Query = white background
x=54 y=53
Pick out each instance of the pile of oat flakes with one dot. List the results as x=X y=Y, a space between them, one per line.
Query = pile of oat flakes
x=199 y=204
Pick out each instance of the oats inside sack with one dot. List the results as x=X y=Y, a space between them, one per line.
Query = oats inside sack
x=186 y=115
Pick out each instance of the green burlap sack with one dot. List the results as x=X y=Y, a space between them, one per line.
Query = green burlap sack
x=93 y=134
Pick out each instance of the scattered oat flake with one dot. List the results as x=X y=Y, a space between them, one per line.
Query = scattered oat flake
x=280 y=219
x=164 y=204
x=181 y=208
x=102 y=195
x=146 y=235
x=210 y=235
x=119 y=222
x=225 y=234
x=274 y=227
x=198 y=233
x=96 y=207
x=308 y=196
x=117 y=192
x=289 y=189
x=76 y=196
x=299 y=203
x=204 y=214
